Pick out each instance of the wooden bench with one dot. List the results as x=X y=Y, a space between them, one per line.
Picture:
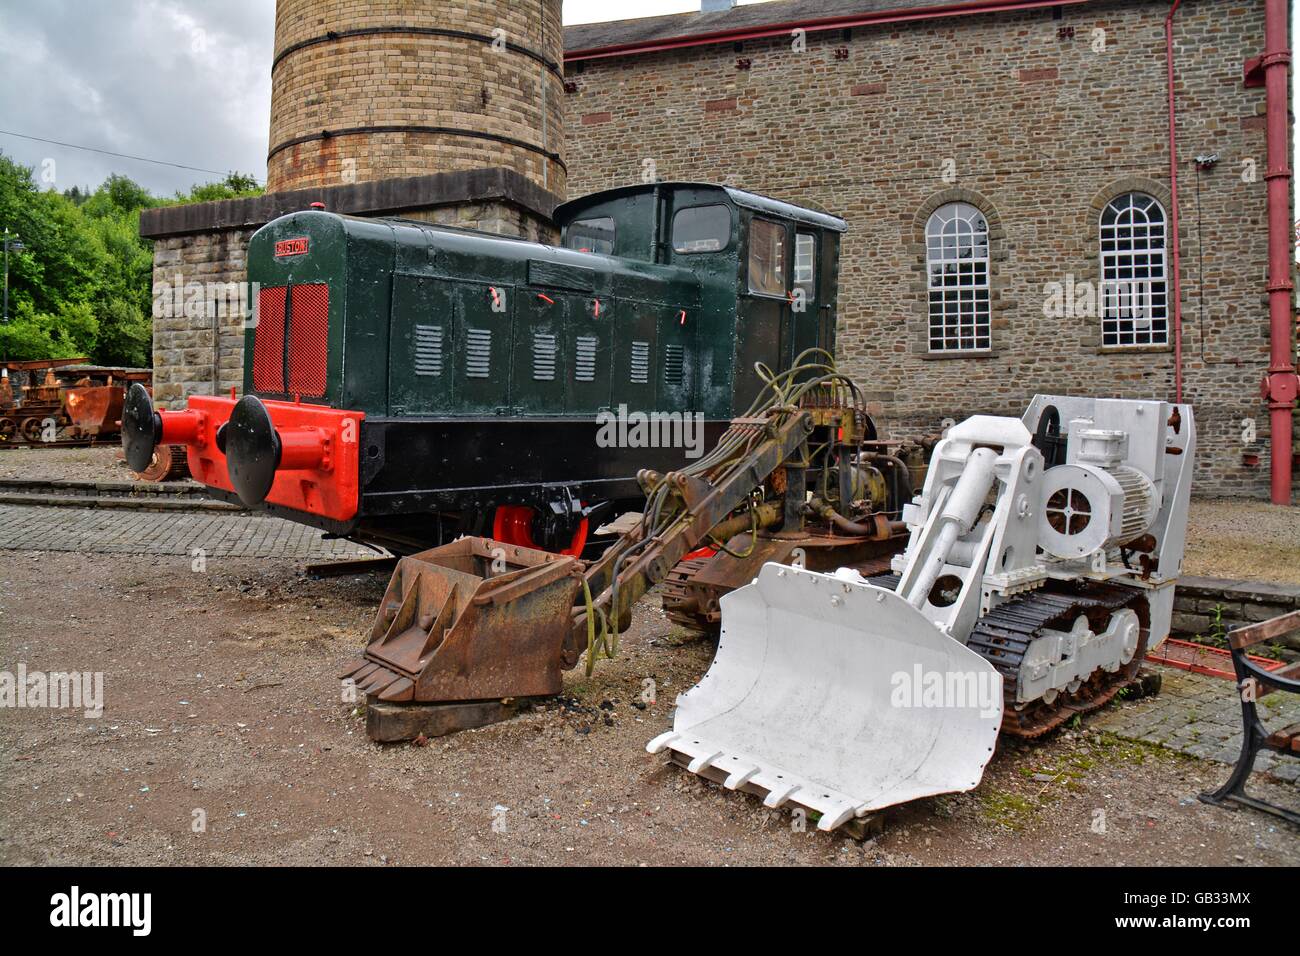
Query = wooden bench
x=1254 y=682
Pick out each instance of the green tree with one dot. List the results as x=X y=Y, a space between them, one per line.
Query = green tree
x=125 y=334
x=234 y=186
x=28 y=335
x=82 y=285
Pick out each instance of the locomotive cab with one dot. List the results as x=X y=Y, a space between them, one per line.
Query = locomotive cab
x=769 y=270
x=405 y=381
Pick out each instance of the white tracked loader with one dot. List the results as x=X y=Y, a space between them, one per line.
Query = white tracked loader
x=1040 y=568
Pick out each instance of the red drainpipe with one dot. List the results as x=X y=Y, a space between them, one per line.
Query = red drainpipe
x=1280 y=384
x=1173 y=201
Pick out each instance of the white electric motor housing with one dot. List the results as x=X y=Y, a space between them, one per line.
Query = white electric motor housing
x=1096 y=502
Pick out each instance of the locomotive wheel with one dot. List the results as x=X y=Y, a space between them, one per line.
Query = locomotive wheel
x=513 y=524
x=8 y=428
x=169 y=463
x=31 y=429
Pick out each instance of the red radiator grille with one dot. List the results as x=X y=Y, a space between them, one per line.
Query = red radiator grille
x=268 y=341
x=309 y=339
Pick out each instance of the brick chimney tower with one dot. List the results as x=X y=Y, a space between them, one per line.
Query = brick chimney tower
x=449 y=111
x=367 y=90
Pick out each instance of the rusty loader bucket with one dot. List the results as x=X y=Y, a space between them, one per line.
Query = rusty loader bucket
x=475 y=620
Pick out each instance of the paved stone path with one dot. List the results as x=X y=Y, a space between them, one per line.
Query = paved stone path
x=95 y=531
x=1201 y=716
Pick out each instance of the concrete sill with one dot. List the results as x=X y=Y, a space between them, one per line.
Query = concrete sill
x=944 y=356
x=1134 y=349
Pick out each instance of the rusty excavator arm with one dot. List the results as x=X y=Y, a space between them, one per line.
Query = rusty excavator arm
x=468 y=630
x=699 y=510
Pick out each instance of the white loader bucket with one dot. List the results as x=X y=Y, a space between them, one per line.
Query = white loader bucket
x=838 y=696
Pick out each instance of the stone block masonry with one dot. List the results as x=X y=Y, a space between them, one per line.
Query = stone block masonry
x=1038 y=118
x=375 y=89
x=1202 y=604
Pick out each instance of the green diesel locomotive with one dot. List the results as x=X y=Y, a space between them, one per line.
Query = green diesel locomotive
x=407 y=382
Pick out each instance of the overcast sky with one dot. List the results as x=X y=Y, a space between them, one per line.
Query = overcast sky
x=183 y=81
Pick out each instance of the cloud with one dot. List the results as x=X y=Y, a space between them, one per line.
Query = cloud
x=176 y=80
x=185 y=81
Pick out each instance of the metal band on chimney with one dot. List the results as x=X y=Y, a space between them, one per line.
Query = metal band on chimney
x=333 y=35
x=431 y=130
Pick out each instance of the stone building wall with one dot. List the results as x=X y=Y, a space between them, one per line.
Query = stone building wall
x=1038 y=119
x=184 y=360
x=406 y=87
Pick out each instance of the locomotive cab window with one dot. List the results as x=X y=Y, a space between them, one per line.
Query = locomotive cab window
x=591 y=235
x=701 y=229
x=805 y=265
x=767 y=257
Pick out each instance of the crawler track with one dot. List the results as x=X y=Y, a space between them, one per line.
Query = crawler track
x=679 y=604
x=1004 y=634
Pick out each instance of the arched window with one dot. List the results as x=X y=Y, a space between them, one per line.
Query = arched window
x=957 y=268
x=1134 y=299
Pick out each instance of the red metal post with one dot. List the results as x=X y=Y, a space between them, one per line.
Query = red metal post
x=1279 y=386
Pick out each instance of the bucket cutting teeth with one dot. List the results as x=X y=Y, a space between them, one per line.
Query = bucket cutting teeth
x=359 y=672
x=777 y=786
x=808 y=701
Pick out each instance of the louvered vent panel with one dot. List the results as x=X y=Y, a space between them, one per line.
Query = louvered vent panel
x=585 y=359
x=543 y=357
x=673 y=359
x=640 y=363
x=428 y=350
x=478 y=353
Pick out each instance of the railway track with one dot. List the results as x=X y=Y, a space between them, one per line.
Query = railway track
x=139 y=495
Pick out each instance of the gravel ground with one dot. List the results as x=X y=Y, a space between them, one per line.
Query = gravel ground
x=222 y=707
x=1232 y=538
x=99 y=463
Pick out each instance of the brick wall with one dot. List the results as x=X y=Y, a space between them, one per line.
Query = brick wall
x=1202 y=604
x=396 y=79
x=1039 y=126
x=185 y=361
